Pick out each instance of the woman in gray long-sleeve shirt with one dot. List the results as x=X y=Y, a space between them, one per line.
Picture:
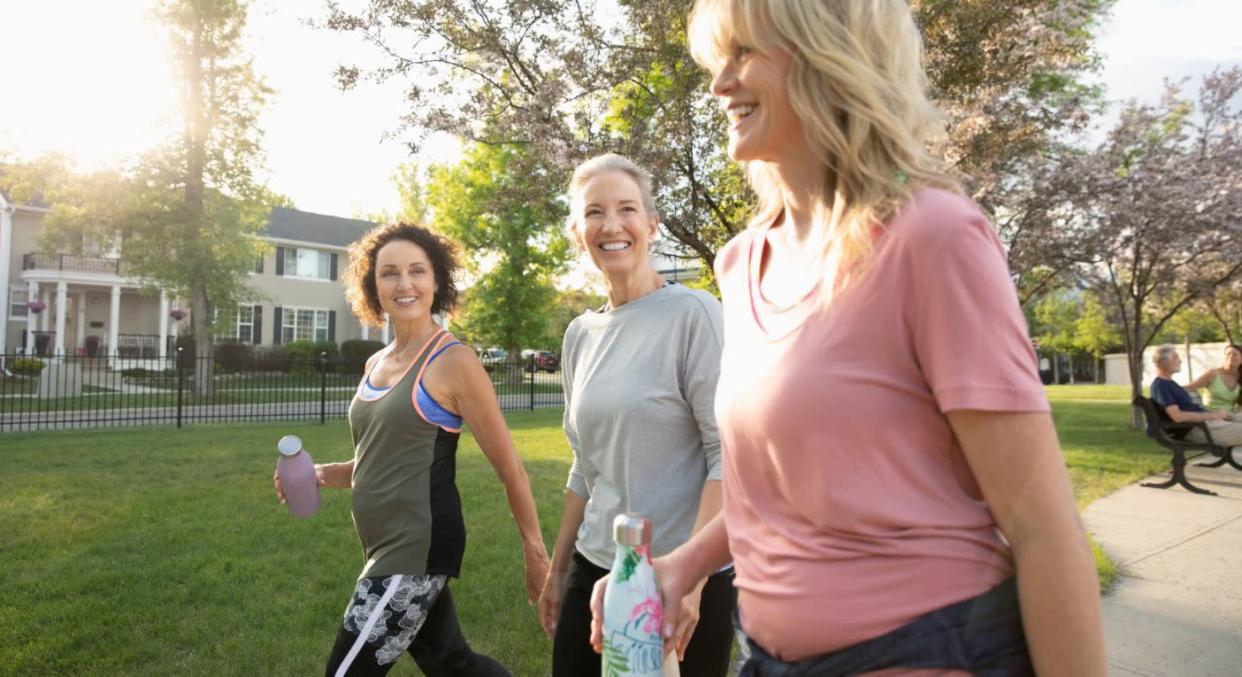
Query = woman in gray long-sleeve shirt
x=640 y=384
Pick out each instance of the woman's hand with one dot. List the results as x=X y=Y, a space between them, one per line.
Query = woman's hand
x=536 y=572
x=687 y=621
x=673 y=590
x=280 y=492
x=550 y=602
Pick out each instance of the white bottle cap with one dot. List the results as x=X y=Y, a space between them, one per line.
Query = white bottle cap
x=289 y=445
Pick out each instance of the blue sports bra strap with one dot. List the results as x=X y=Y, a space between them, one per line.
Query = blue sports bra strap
x=443 y=348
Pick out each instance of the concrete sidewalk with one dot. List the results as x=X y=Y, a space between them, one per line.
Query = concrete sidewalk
x=1177 y=610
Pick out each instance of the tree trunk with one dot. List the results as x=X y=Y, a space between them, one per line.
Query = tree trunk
x=1190 y=365
x=196 y=153
x=1070 y=355
x=1134 y=358
x=1056 y=369
x=204 y=381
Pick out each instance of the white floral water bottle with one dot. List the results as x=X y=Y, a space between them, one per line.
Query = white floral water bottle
x=296 y=471
x=633 y=609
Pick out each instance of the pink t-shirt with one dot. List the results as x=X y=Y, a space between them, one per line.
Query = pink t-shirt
x=850 y=507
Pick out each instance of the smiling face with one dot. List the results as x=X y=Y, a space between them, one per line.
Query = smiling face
x=405 y=281
x=612 y=225
x=752 y=87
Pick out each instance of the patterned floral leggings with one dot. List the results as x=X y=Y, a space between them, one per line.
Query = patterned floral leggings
x=389 y=615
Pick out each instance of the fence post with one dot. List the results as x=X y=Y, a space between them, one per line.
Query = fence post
x=180 y=383
x=323 y=387
x=532 y=371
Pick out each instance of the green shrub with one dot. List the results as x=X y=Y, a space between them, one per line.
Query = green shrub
x=139 y=372
x=304 y=355
x=354 y=354
x=26 y=366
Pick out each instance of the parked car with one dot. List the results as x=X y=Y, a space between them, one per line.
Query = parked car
x=493 y=358
x=543 y=360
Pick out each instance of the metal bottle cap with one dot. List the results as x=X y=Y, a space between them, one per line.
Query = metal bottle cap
x=632 y=530
x=289 y=445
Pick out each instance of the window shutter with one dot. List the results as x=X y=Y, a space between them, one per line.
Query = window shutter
x=256 y=328
x=280 y=263
x=332 y=274
x=332 y=317
x=276 y=324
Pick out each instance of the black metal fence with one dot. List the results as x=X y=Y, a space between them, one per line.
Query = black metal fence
x=38 y=393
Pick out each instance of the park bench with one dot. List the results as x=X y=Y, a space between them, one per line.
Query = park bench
x=1172 y=435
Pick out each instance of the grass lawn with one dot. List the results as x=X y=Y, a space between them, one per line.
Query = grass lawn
x=157 y=551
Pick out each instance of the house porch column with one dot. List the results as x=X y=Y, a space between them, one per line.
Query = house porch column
x=114 y=320
x=163 y=325
x=62 y=300
x=32 y=295
x=81 y=321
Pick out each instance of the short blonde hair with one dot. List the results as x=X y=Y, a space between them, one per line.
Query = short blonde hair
x=857 y=84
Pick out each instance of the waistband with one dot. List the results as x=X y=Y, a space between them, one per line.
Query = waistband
x=982 y=635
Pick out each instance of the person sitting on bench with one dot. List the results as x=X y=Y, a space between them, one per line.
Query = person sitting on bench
x=1221 y=386
x=1175 y=401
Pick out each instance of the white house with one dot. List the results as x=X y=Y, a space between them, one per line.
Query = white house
x=60 y=304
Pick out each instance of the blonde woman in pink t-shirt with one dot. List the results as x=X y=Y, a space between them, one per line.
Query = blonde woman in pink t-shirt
x=895 y=498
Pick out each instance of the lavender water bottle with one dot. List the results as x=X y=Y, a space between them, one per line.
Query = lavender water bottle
x=296 y=471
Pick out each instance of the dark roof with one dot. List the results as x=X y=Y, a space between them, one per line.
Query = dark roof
x=292 y=224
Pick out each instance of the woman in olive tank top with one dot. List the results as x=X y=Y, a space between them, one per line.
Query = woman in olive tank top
x=1220 y=385
x=405 y=421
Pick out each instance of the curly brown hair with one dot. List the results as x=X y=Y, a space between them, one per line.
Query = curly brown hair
x=359 y=277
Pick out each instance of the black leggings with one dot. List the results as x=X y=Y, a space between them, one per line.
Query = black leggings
x=438 y=646
x=706 y=656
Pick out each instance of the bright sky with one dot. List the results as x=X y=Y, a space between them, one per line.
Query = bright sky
x=89 y=78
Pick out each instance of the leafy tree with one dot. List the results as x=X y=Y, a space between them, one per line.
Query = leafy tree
x=514 y=241
x=565 y=80
x=569 y=304
x=1056 y=317
x=1162 y=195
x=184 y=215
x=1095 y=333
x=1225 y=306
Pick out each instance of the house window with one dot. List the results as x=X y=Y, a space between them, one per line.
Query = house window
x=17 y=303
x=304 y=324
x=310 y=263
x=241 y=328
x=245 y=324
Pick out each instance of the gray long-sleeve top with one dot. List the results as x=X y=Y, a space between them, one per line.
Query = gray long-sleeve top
x=640 y=390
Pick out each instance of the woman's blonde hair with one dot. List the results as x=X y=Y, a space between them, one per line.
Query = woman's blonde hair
x=602 y=164
x=857 y=84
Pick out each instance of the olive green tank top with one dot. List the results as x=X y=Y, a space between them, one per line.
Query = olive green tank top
x=1219 y=397
x=405 y=504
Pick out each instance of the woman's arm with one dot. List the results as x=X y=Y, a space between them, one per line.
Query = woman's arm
x=460 y=379
x=1204 y=379
x=562 y=554
x=710 y=503
x=1017 y=461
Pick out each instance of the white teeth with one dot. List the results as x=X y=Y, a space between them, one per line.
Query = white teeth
x=406 y=299
x=738 y=112
x=614 y=246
